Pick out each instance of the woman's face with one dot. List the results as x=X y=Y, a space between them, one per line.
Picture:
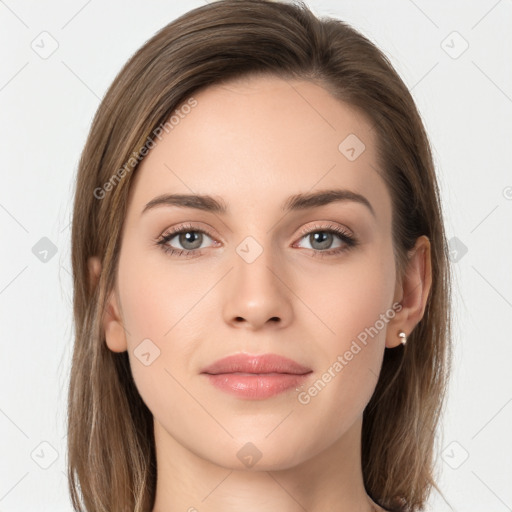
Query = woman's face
x=259 y=277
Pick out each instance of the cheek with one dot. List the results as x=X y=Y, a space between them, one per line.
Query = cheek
x=351 y=297
x=147 y=304
x=157 y=306
x=355 y=304
x=350 y=362
x=158 y=296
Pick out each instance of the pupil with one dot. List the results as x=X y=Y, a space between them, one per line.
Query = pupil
x=323 y=238
x=190 y=237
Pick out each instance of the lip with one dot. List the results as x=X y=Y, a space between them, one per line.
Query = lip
x=256 y=376
x=258 y=363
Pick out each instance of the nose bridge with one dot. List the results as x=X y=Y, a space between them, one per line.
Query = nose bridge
x=256 y=290
x=254 y=264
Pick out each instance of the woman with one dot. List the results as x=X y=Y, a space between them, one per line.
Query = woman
x=261 y=281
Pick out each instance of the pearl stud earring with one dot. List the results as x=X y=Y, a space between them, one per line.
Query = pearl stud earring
x=403 y=337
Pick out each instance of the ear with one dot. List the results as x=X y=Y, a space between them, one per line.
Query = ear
x=412 y=292
x=111 y=321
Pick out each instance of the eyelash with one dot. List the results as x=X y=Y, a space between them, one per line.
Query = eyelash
x=343 y=235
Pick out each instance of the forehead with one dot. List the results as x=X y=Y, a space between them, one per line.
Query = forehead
x=259 y=137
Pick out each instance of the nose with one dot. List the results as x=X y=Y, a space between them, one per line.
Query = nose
x=257 y=294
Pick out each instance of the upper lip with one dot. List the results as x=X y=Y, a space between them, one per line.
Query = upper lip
x=259 y=363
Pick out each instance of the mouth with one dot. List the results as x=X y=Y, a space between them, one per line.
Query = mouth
x=256 y=376
x=256 y=386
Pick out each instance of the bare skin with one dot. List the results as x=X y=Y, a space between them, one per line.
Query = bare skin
x=253 y=144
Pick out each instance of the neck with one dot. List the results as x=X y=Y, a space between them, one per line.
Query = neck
x=331 y=480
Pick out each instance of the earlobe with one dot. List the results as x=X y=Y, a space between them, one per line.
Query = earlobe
x=415 y=289
x=115 y=335
x=111 y=320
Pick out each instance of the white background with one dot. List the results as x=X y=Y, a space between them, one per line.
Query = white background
x=46 y=108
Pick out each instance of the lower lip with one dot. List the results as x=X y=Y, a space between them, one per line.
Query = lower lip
x=256 y=386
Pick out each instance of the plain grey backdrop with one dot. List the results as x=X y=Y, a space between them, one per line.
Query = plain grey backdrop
x=57 y=60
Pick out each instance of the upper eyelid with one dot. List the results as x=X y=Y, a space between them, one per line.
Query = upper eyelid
x=184 y=227
x=330 y=226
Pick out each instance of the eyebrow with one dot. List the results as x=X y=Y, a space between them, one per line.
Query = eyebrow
x=296 y=202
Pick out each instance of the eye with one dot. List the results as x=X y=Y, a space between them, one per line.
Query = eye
x=190 y=240
x=188 y=237
x=321 y=239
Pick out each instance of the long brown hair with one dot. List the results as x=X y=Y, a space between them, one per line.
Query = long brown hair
x=111 y=451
